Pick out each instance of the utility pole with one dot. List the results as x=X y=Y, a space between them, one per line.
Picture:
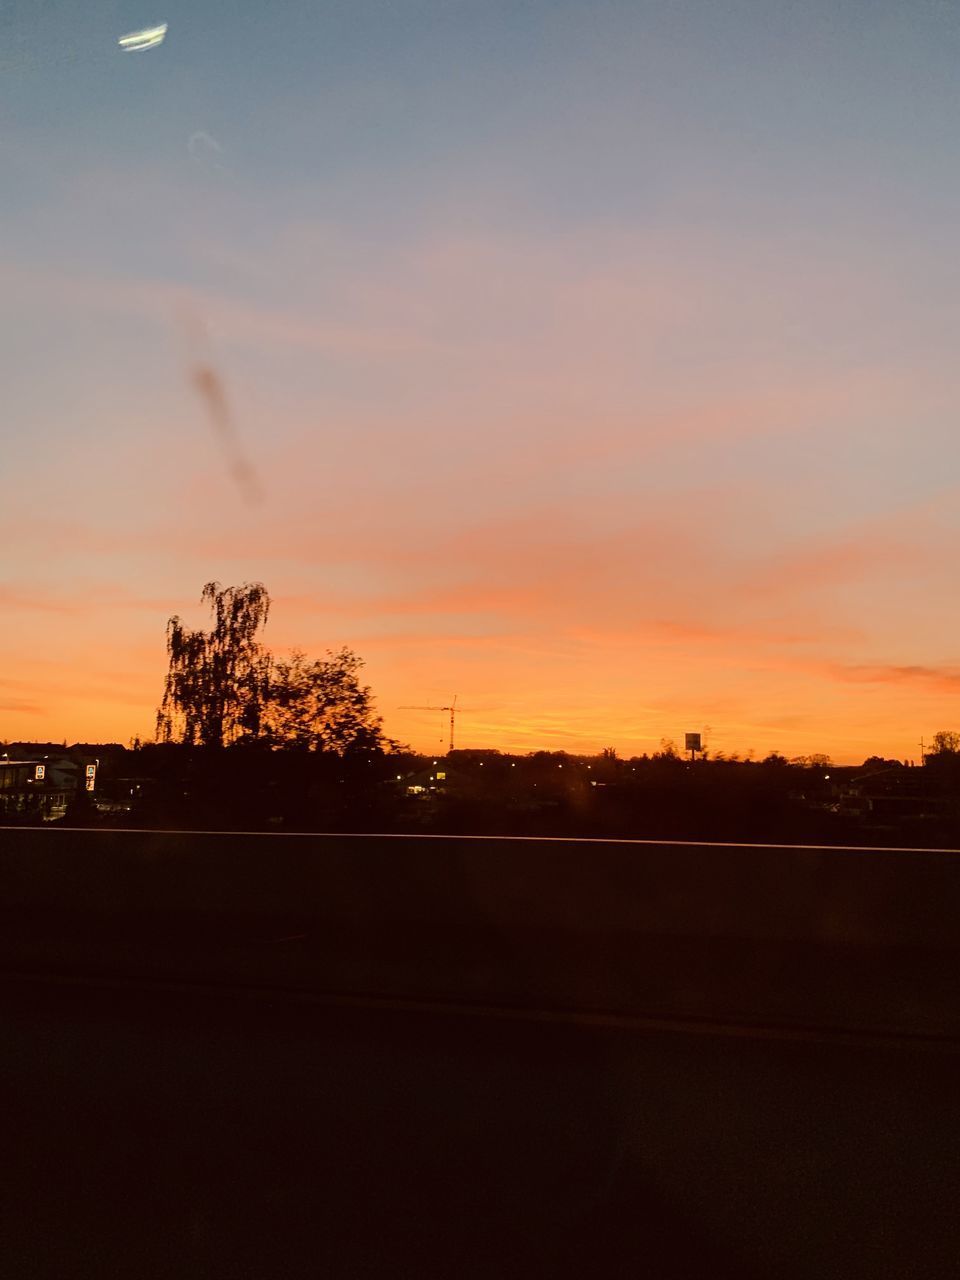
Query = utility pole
x=923 y=758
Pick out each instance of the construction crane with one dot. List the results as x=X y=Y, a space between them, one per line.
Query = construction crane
x=452 y=708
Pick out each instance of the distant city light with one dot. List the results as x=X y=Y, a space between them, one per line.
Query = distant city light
x=148 y=38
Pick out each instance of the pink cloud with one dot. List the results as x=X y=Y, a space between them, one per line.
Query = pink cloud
x=847 y=558
x=231 y=319
x=91 y=598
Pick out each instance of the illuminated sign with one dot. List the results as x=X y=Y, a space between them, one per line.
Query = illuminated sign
x=90 y=784
x=91 y=770
x=41 y=772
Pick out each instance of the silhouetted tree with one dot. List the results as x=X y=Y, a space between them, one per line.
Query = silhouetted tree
x=874 y=764
x=946 y=740
x=224 y=688
x=214 y=689
x=320 y=705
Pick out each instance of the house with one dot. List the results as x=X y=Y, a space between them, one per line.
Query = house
x=41 y=787
x=437 y=779
x=122 y=795
x=891 y=797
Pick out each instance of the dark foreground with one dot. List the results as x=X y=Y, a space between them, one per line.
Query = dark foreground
x=199 y=1133
x=256 y=1057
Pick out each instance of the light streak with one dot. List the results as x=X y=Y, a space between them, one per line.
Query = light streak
x=462 y=839
x=149 y=38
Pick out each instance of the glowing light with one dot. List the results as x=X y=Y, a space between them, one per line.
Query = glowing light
x=149 y=38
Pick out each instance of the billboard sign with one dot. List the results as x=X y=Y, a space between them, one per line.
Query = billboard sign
x=91 y=770
x=693 y=742
x=40 y=772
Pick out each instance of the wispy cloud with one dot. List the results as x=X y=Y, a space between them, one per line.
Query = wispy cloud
x=21 y=706
x=231 y=318
x=91 y=598
x=942 y=679
x=832 y=562
x=27 y=601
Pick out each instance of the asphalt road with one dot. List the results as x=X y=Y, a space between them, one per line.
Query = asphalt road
x=193 y=1132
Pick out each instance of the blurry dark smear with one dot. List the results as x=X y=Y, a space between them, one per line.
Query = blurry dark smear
x=209 y=386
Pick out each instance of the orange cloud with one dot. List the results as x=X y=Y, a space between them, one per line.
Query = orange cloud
x=941 y=679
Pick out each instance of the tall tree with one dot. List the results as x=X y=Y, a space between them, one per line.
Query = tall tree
x=216 y=679
x=320 y=705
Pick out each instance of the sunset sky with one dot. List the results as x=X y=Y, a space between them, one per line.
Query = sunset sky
x=594 y=362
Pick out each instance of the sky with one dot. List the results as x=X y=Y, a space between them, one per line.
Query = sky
x=594 y=362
